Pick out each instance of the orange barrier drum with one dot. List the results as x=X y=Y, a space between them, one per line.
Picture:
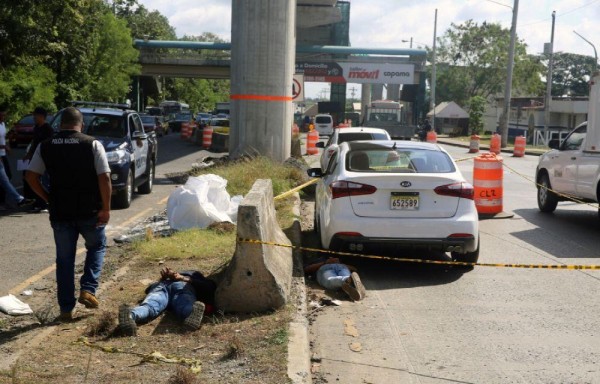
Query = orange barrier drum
x=474 y=144
x=487 y=183
x=207 y=137
x=495 y=143
x=519 y=150
x=311 y=142
x=432 y=137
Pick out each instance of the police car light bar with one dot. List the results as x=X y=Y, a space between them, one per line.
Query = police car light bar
x=76 y=103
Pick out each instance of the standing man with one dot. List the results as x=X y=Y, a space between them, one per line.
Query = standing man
x=79 y=203
x=41 y=131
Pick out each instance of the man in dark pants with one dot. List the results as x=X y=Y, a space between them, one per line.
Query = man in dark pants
x=79 y=204
x=41 y=131
x=188 y=294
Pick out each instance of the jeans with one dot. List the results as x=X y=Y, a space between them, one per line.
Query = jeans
x=333 y=276
x=177 y=296
x=12 y=196
x=66 y=234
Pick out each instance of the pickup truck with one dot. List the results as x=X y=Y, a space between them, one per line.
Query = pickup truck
x=131 y=152
x=572 y=168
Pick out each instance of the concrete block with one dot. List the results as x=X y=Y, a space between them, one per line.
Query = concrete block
x=220 y=142
x=259 y=276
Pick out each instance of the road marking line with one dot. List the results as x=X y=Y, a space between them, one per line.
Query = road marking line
x=163 y=201
x=129 y=221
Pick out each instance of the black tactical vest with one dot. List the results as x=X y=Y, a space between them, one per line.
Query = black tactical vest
x=74 y=189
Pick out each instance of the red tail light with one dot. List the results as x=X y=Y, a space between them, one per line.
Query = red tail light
x=464 y=190
x=349 y=188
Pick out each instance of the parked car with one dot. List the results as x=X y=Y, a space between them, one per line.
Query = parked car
x=202 y=119
x=395 y=194
x=152 y=124
x=349 y=134
x=21 y=132
x=178 y=119
x=219 y=123
x=324 y=124
x=131 y=152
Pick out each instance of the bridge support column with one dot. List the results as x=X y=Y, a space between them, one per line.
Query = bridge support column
x=393 y=92
x=377 y=91
x=365 y=100
x=263 y=46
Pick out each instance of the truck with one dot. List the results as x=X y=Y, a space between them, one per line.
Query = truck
x=571 y=169
x=222 y=108
x=389 y=115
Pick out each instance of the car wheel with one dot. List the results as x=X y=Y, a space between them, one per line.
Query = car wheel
x=547 y=200
x=146 y=188
x=123 y=197
x=469 y=257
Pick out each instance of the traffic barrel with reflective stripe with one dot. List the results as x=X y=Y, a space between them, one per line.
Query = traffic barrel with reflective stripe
x=519 y=150
x=487 y=183
x=311 y=142
x=207 y=133
x=474 y=144
x=495 y=143
x=432 y=137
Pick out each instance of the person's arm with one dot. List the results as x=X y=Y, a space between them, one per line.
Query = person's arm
x=105 y=191
x=312 y=268
x=33 y=174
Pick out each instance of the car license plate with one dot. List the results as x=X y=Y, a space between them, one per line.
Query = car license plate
x=405 y=201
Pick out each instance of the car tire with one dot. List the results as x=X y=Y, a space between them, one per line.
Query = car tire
x=122 y=199
x=146 y=188
x=469 y=257
x=547 y=200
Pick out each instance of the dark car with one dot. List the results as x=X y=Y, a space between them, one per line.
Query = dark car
x=152 y=124
x=21 y=132
x=178 y=119
x=131 y=152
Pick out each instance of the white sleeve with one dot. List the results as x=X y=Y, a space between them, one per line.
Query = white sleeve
x=100 y=160
x=37 y=164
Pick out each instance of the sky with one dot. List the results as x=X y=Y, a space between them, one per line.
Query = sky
x=385 y=23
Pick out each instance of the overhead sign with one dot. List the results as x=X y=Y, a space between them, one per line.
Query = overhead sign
x=298 y=88
x=375 y=73
x=327 y=72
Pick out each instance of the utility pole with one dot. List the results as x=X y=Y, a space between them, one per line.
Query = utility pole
x=593 y=46
x=509 y=73
x=433 y=71
x=548 y=98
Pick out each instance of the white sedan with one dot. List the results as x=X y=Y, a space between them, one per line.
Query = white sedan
x=400 y=194
x=342 y=135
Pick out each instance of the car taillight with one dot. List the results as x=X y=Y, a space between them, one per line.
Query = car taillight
x=461 y=236
x=349 y=188
x=464 y=190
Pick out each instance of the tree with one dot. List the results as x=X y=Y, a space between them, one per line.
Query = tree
x=472 y=61
x=476 y=110
x=142 y=22
x=571 y=73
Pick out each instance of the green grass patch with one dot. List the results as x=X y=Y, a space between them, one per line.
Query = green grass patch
x=280 y=337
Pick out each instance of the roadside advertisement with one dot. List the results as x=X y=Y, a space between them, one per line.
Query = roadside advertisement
x=326 y=72
x=375 y=73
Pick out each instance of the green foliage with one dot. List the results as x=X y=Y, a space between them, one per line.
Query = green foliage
x=476 y=110
x=142 y=22
x=472 y=61
x=570 y=74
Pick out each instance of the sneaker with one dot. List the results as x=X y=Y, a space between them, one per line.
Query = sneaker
x=25 y=203
x=194 y=320
x=65 y=317
x=359 y=285
x=127 y=325
x=354 y=288
x=87 y=299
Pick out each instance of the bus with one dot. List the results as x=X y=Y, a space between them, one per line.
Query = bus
x=173 y=107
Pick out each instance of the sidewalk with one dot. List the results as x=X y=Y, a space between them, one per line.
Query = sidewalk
x=444 y=139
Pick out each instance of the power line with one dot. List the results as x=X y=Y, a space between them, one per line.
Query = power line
x=558 y=15
x=499 y=3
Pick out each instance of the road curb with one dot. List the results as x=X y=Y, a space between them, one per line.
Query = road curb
x=298 y=367
x=484 y=147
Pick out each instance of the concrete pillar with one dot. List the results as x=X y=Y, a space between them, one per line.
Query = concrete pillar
x=365 y=100
x=377 y=91
x=393 y=92
x=263 y=46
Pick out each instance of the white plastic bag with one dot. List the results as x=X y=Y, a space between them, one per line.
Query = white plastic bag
x=203 y=200
x=12 y=306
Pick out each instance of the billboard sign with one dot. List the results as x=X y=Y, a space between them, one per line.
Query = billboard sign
x=376 y=73
x=327 y=72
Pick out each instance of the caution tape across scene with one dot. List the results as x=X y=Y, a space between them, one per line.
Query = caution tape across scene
x=422 y=261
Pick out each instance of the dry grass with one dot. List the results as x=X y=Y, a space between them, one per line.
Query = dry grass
x=102 y=324
x=183 y=376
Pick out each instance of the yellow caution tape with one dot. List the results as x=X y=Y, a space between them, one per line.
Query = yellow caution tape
x=298 y=188
x=421 y=261
x=155 y=357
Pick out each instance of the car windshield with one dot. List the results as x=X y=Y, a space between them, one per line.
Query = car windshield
x=355 y=136
x=27 y=120
x=323 y=119
x=383 y=116
x=220 y=123
x=105 y=126
x=183 y=116
x=400 y=160
x=148 y=119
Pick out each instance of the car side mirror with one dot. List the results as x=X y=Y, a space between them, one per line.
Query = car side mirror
x=315 y=172
x=554 y=144
x=320 y=144
x=139 y=136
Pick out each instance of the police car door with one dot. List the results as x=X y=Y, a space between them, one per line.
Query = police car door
x=139 y=140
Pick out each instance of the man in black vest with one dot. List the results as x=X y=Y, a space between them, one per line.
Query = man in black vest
x=79 y=204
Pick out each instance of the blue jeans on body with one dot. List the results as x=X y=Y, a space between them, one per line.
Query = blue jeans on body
x=12 y=196
x=333 y=276
x=178 y=296
x=66 y=234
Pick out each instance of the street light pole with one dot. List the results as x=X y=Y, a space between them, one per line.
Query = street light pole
x=509 y=74
x=433 y=72
x=590 y=43
x=549 y=78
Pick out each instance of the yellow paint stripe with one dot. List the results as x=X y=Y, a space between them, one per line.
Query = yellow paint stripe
x=163 y=201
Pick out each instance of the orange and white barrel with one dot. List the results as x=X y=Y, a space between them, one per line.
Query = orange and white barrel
x=519 y=150
x=487 y=183
x=474 y=144
x=495 y=144
x=207 y=133
x=311 y=142
x=432 y=137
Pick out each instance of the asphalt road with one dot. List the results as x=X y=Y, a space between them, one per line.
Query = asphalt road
x=437 y=324
x=27 y=245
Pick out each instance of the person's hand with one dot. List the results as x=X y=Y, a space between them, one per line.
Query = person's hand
x=169 y=274
x=103 y=217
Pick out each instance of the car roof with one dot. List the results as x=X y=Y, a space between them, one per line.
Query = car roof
x=106 y=111
x=387 y=144
x=361 y=129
